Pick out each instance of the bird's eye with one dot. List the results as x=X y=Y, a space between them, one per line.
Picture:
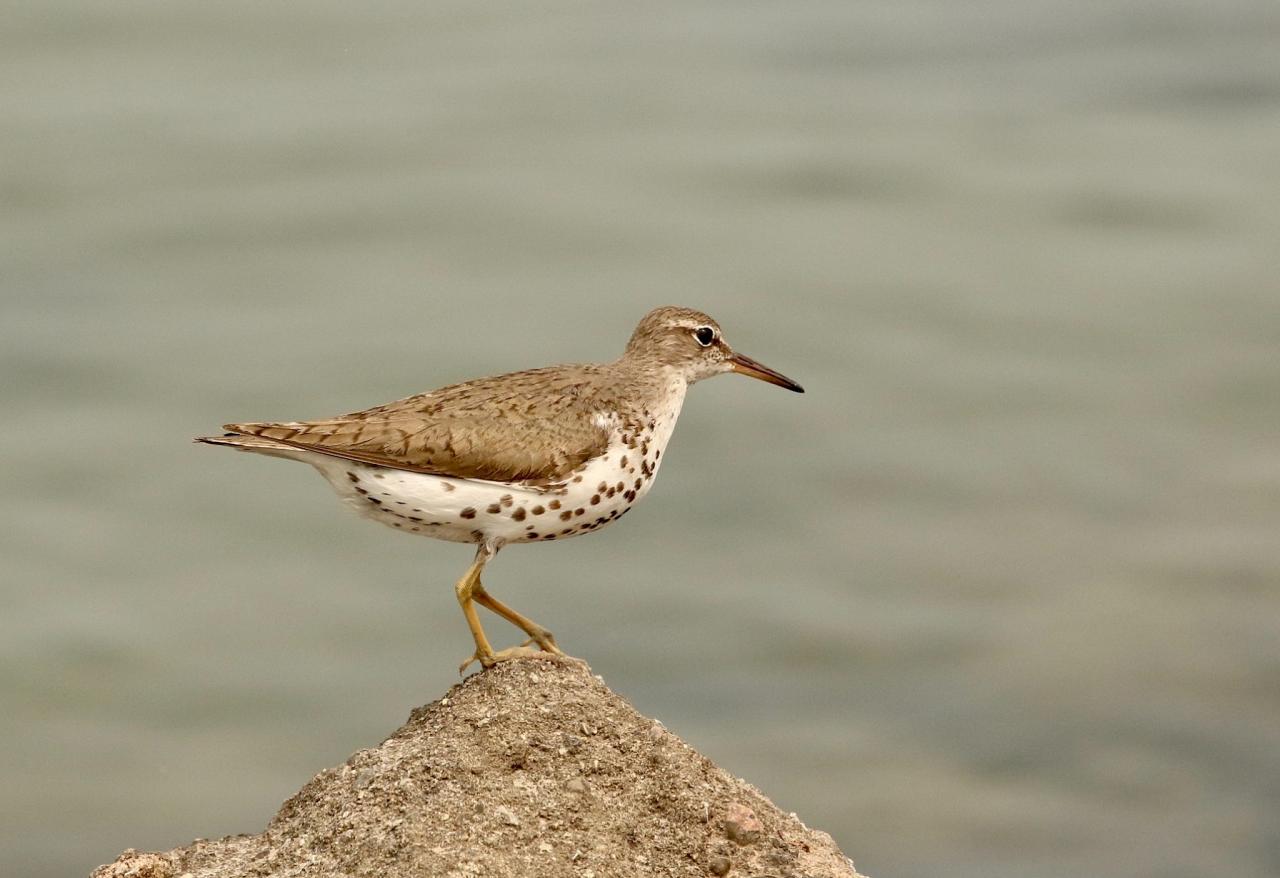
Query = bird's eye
x=705 y=335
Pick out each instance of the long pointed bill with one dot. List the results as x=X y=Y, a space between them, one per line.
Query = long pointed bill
x=744 y=365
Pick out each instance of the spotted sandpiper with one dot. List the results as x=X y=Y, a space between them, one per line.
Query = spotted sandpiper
x=533 y=456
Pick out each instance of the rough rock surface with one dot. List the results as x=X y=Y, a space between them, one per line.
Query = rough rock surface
x=531 y=768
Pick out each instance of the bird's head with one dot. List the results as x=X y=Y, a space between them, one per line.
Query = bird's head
x=691 y=343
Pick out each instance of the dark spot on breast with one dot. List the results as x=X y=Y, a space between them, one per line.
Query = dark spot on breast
x=639 y=482
x=518 y=515
x=537 y=510
x=469 y=512
x=595 y=499
x=623 y=463
x=375 y=501
x=620 y=486
x=379 y=476
x=601 y=520
x=548 y=536
x=630 y=495
x=360 y=490
x=554 y=504
x=567 y=530
x=566 y=515
x=352 y=476
x=577 y=479
x=600 y=488
x=493 y=508
x=477 y=535
x=505 y=500
x=448 y=486
x=579 y=511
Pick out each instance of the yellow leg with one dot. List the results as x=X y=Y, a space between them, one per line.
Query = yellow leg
x=464 y=590
x=470 y=592
x=537 y=634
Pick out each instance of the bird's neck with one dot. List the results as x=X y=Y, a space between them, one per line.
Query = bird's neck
x=656 y=390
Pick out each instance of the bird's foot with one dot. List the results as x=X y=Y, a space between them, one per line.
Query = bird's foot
x=551 y=652
x=512 y=652
x=545 y=639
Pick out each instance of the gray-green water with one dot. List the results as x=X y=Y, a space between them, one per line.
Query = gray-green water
x=1000 y=596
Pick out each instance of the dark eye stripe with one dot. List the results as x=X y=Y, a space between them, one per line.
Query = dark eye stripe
x=705 y=335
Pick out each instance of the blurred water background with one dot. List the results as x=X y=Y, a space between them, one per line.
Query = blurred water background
x=1000 y=596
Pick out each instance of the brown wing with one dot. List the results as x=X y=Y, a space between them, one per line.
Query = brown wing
x=535 y=426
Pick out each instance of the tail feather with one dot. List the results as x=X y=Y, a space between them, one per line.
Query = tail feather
x=256 y=444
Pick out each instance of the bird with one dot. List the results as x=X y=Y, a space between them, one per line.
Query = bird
x=527 y=457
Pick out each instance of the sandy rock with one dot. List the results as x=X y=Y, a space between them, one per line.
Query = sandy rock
x=132 y=864
x=741 y=824
x=531 y=768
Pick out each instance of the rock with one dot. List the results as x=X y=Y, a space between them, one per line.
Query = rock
x=132 y=864
x=439 y=795
x=718 y=865
x=742 y=825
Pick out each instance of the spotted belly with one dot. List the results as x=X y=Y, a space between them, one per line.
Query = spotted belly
x=474 y=511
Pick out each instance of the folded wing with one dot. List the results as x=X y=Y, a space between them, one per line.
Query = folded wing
x=470 y=431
